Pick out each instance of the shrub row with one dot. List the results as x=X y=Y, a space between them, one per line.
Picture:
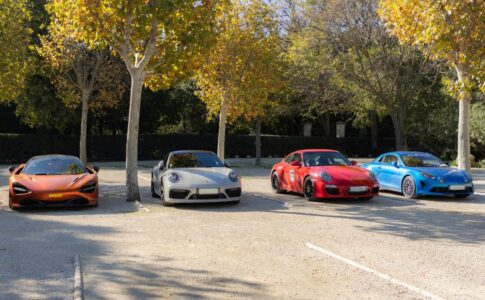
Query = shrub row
x=19 y=147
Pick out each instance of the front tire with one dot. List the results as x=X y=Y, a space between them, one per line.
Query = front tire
x=275 y=183
x=10 y=204
x=309 y=190
x=162 y=197
x=154 y=195
x=408 y=188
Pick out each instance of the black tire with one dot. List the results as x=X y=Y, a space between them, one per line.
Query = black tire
x=366 y=198
x=408 y=187
x=10 y=203
x=460 y=196
x=154 y=195
x=275 y=183
x=162 y=197
x=308 y=190
x=234 y=202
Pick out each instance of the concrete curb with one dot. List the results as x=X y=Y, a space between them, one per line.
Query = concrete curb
x=78 y=279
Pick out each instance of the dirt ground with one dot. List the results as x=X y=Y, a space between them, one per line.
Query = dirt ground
x=267 y=247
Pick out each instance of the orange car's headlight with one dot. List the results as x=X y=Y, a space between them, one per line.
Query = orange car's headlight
x=19 y=189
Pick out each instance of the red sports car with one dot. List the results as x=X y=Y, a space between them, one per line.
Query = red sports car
x=53 y=180
x=322 y=173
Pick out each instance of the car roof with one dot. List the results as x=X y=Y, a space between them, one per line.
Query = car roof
x=190 y=151
x=314 y=150
x=53 y=156
x=407 y=152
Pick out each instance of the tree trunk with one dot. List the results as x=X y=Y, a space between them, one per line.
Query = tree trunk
x=221 y=138
x=258 y=142
x=399 y=131
x=463 y=160
x=374 y=131
x=83 y=152
x=133 y=191
x=328 y=125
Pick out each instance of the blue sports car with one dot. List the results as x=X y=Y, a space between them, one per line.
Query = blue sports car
x=418 y=173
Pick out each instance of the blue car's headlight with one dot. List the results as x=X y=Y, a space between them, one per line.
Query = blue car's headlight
x=427 y=175
x=233 y=176
x=325 y=177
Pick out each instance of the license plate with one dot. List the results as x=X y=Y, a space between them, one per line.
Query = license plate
x=208 y=191
x=55 y=195
x=457 y=187
x=357 y=189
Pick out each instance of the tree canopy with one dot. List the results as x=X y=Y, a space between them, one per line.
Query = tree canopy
x=14 y=54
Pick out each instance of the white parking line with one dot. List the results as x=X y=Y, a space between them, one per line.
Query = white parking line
x=481 y=194
x=78 y=279
x=143 y=177
x=141 y=206
x=372 y=271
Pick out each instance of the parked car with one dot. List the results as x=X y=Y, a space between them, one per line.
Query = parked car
x=323 y=173
x=193 y=177
x=417 y=174
x=53 y=180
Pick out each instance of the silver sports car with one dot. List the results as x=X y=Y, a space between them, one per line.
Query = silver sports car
x=194 y=177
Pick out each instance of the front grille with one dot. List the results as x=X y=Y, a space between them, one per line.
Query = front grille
x=39 y=203
x=178 y=194
x=207 y=197
x=332 y=190
x=357 y=193
x=234 y=192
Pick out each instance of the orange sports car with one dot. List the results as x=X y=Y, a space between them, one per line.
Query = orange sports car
x=53 y=180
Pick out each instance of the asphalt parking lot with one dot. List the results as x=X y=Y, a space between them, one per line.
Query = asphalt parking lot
x=267 y=247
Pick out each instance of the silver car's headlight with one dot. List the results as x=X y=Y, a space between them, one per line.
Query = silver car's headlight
x=173 y=178
x=233 y=176
x=325 y=177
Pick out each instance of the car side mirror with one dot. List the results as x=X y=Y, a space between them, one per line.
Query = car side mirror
x=161 y=164
x=11 y=169
x=295 y=163
x=353 y=162
x=96 y=169
x=227 y=164
x=395 y=164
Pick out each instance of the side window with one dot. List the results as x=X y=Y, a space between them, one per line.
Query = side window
x=165 y=162
x=389 y=159
x=296 y=157
x=288 y=159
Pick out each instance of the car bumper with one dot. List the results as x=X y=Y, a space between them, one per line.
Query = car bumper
x=343 y=191
x=444 y=189
x=180 y=194
x=53 y=199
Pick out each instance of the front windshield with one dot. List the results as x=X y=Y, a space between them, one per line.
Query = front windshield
x=421 y=160
x=54 y=166
x=313 y=159
x=195 y=160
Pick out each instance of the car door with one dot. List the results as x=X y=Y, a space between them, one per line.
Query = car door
x=285 y=172
x=295 y=172
x=389 y=174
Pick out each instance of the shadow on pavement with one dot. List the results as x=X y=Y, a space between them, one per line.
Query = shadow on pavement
x=157 y=277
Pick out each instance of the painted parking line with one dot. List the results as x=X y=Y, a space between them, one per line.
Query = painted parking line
x=78 y=279
x=145 y=178
x=375 y=272
x=141 y=206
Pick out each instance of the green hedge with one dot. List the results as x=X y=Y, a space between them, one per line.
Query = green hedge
x=20 y=147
